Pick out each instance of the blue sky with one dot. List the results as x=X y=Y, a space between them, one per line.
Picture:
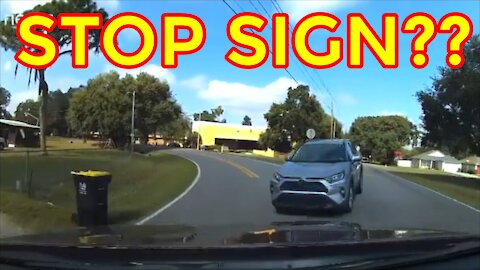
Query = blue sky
x=205 y=80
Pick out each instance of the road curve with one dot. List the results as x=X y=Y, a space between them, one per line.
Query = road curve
x=234 y=190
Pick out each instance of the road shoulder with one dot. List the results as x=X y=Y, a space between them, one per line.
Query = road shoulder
x=424 y=185
x=8 y=228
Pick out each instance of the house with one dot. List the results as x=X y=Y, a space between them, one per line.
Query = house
x=436 y=160
x=18 y=133
x=471 y=163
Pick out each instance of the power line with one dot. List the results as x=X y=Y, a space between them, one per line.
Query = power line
x=288 y=72
x=277 y=6
x=279 y=9
x=302 y=68
x=256 y=9
x=238 y=5
x=263 y=8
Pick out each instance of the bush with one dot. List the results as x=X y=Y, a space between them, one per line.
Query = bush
x=212 y=147
x=472 y=172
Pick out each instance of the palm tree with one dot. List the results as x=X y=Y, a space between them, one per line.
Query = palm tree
x=9 y=41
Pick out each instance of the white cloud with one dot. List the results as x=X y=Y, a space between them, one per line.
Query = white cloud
x=20 y=96
x=240 y=99
x=63 y=83
x=154 y=70
x=299 y=8
x=346 y=99
x=198 y=82
x=19 y=6
x=7 y=66
x=54 y=83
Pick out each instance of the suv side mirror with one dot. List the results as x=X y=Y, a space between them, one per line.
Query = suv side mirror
x=356 y=159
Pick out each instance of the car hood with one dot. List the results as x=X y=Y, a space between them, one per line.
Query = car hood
x=178 y=236
x=312 y=170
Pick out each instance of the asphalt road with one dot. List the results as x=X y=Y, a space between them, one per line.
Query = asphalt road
x=234 y=190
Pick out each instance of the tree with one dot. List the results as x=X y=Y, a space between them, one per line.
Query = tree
x=212 y=116
x=177 y=129
x=289 y=121
x=28 y=106
x=155 y=107
x=10 y=41
x=56 y=115
x=57 y=122
x=380 y=136
x=451 y=106
x=247 y=121
x=104 y=105
x=4 y=101
x=326 y=127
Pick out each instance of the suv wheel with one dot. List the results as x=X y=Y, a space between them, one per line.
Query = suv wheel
x=359 y=189
x=2 y=146
x=347 y=204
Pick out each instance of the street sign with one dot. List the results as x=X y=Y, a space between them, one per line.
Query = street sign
x=310 y=133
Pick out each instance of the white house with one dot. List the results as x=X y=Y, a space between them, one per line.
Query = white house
x=436 y=160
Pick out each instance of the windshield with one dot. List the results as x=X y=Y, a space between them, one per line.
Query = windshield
x=225 y=119
x=320 y=152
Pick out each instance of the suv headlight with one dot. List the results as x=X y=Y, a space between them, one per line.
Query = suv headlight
x=277 y=177
x=335 y=178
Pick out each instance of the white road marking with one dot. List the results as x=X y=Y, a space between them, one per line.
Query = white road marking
x=199 y=173
x=436 y=192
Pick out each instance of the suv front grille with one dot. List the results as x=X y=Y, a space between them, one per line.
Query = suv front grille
x=303 y=186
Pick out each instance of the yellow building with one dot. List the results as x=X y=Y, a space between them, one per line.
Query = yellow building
x=232 y=135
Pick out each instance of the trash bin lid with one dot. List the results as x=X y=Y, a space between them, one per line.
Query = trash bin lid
x=90 y=173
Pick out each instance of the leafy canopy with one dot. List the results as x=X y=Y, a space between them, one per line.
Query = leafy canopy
x=4 y=101
x=380 y=136
x=289 y=121
x=451 y=106
x=105 y=105
x=212 y=116
x=247 y=121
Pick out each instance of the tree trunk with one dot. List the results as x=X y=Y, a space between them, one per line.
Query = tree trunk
x=43 y=91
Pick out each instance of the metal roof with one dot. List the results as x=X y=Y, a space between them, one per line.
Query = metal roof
x=428 y=156
x=472 y=160
x=17 y=124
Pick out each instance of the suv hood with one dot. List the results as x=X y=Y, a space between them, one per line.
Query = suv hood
x=312 y=170
x=178 y=236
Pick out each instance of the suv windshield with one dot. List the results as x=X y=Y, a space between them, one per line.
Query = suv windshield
x=320 y=152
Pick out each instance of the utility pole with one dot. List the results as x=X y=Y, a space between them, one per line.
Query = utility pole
x=331 y=121
x=334 y=123
x=198 y=132
x=132 y=134
x=33 y=116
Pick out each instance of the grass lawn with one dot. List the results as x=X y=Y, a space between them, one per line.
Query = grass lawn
x=59 y=143
x=464 y=189
x=55 y=143
x=140 y=185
